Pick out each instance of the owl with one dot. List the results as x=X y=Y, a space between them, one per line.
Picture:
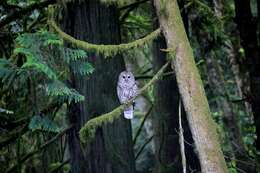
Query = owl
x=126 y=89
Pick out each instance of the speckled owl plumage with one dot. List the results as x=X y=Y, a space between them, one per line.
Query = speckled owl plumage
x=126 y=89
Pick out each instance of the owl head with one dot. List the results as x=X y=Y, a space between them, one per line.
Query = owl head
x=126 y=79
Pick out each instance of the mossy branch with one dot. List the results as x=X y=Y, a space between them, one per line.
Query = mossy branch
x=106 y=50
x=87 y=132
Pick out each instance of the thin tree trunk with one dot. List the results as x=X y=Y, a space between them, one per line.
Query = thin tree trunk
x=111 y=151
x=191 y=88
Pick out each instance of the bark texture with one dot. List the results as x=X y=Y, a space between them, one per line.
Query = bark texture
x=191 y=88
x=165 y=119
x=111 y=150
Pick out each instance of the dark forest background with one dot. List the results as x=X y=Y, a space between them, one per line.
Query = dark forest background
x=50 y=86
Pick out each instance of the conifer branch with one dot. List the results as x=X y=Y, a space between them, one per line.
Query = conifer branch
x=87 y=132
x=106 y=50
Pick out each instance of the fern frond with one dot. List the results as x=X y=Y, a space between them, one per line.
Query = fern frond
x=74 y=54
x=59 y=89
x=82 y=68
x=43 y=123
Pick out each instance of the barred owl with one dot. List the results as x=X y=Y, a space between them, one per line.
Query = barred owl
x=126 y=89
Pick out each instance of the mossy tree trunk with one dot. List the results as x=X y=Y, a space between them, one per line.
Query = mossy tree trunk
x=165 y=118
x=111 y=150
x=191 y=88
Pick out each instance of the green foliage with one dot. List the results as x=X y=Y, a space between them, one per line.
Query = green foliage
x=43 y=123
x=59 y=89
x=45 y=55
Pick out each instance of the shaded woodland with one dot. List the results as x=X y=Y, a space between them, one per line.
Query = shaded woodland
x=196 y=64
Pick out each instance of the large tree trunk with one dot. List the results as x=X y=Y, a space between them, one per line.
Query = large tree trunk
x=111 y=151
x=165 y=119
x=191 y=88
x=248 y=38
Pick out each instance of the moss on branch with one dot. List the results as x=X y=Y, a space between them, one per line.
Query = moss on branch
x=106 y=50
x=87 y=132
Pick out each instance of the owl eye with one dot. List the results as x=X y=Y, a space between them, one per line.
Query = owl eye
x=123 y=76
x=128 y=77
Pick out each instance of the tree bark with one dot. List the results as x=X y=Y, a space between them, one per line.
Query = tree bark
x=191 y=88
x=111 y=151
x=165 y=118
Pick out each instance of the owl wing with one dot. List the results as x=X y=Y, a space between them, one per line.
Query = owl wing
x=134 y=91
x=120 y=93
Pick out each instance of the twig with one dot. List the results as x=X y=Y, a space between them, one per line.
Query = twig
x=60 y=166
x=133 y=4
x=151 y=76
x=181 y=141
x=130 y=8
x=141 y=125
x=142 y=148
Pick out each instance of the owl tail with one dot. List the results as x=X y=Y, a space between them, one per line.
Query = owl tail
x=129 y=112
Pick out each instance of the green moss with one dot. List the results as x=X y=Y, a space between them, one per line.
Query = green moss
x=106 y=50
x=87 y=132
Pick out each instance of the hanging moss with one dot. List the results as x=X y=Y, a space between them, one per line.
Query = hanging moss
x=106 y=50
x=87 y=132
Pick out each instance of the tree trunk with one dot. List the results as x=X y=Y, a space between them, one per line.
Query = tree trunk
x=165 y=119
x=191 y=88
x=248 y=38
x=112 y=150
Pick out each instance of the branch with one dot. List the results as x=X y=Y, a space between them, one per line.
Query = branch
x=13 y=135
x=60 y=166
x=143 y=146
x=181 y=141
x=106 y=50
x=130 y=8
x=18 y=14
x=151 y=76
x=141 y=125
x=46 y=144
x=133 y=4
x=87 y=132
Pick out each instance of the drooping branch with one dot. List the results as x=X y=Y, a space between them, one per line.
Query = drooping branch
x=106 y=50
x=87 y=132
x=18 y=14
